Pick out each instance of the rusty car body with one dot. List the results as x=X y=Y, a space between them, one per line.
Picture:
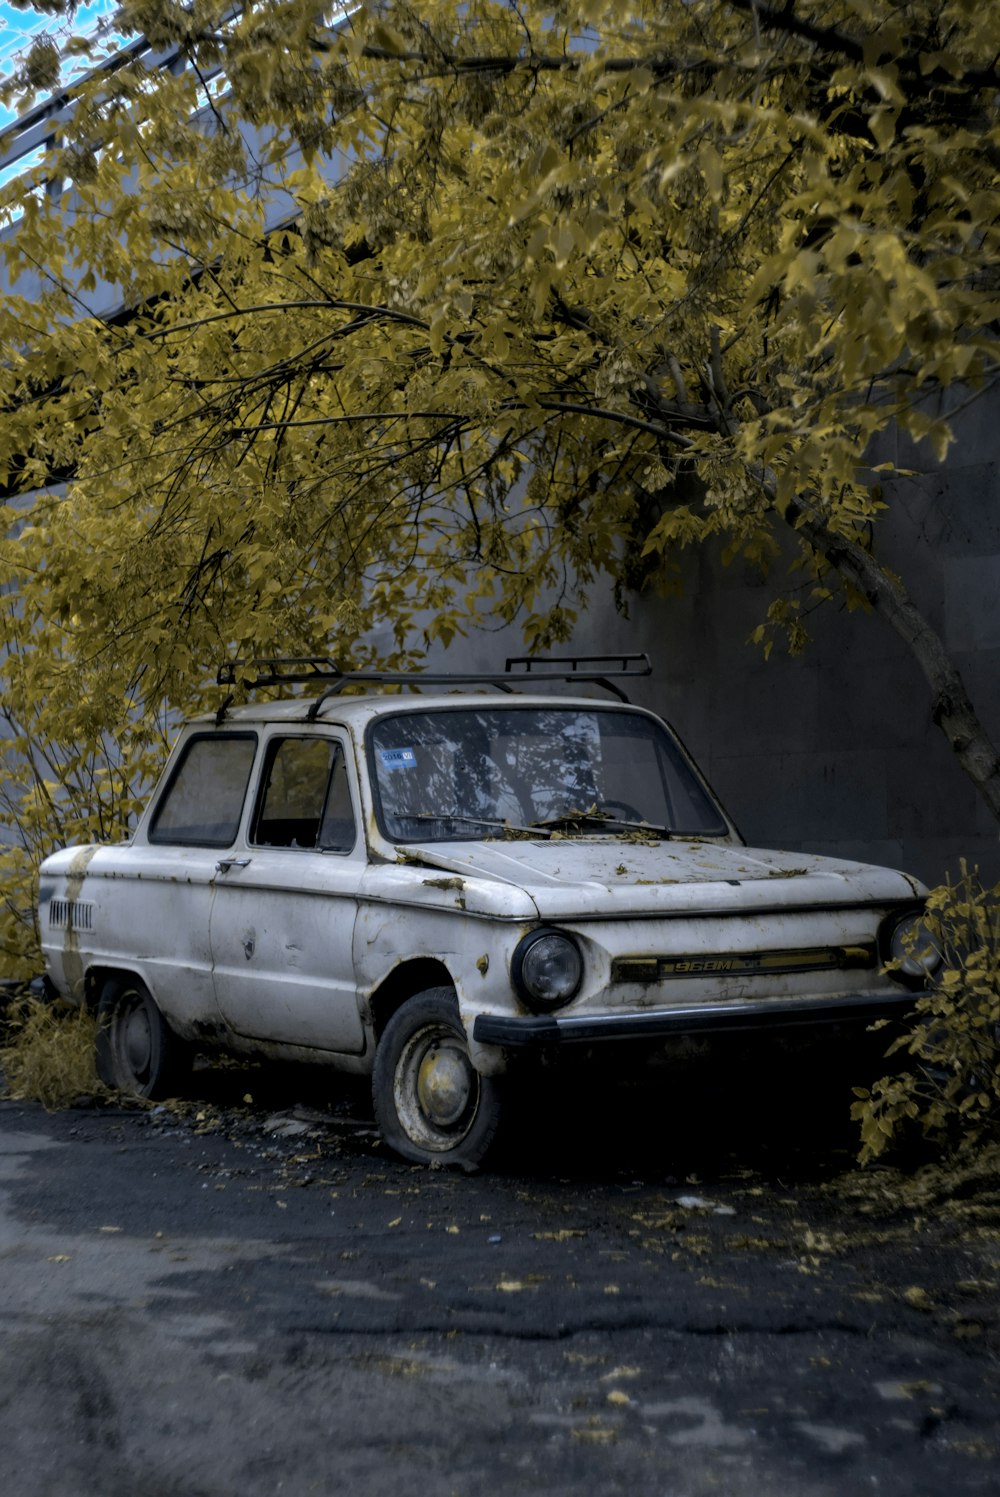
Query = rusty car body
x=424 y=887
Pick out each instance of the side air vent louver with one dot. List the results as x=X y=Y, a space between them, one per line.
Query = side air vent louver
x=69 y=914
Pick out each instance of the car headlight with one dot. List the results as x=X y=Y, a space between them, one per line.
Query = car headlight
x=907 y=941
x=546 y=969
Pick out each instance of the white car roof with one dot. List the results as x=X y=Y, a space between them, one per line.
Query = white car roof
x=356 y=711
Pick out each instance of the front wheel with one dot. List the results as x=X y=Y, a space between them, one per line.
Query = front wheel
x=431 y=1103
x=137 y=1052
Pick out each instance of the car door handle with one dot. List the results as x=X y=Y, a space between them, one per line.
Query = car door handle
x=224 y=864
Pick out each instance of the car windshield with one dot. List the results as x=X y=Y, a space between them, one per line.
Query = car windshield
x=462 y=773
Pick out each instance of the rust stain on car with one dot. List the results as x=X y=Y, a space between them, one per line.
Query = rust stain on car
x=72 y=959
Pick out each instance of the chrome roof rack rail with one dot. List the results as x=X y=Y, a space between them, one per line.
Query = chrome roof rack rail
x=297 y=670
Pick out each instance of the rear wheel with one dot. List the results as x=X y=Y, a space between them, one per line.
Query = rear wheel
x=137 y=1052
x=431 y=1103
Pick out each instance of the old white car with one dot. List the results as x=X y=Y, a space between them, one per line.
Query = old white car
x=422 y=887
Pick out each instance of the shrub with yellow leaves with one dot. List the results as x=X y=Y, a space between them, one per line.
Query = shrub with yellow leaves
x=950 y=1088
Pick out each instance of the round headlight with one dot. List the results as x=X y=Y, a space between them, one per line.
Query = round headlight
x=911 y=944
x=546 y=969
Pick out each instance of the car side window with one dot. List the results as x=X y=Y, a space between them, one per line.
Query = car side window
x=305 y=798
x=203 y=801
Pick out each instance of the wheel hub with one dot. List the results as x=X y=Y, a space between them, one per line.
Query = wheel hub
x=137 y=1042
x=444 y=1084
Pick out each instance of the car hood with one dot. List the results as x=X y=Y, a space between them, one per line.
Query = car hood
x=588 y=876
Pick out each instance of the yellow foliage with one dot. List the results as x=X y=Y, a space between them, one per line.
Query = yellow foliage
x=950 y=1086
x=569 y=289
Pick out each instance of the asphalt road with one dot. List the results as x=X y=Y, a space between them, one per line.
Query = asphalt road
x=256 y=1298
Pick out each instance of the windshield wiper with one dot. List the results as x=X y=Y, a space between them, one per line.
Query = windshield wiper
x=602 y=820
x=506 y=828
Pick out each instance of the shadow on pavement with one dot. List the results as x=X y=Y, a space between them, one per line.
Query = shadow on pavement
x=773 y=1106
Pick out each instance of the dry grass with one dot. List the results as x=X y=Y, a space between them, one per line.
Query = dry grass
x=49 y=1055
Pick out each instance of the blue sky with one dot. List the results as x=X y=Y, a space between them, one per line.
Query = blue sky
x=18 y=28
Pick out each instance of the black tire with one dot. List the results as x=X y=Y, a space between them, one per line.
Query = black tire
x=136 y=1050
x=431 y=1104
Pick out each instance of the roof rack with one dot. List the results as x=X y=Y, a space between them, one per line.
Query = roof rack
x=595 y=670
x=279 y=669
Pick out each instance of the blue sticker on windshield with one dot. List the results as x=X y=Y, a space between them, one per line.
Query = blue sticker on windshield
x=401 y=758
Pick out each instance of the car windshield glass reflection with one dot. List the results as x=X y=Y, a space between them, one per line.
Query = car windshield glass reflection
x=520 y=771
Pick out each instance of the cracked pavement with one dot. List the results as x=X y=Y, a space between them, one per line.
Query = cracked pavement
x=221 y=1297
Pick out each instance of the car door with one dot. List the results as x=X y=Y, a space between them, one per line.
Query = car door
x=283 y=917
x=160 y=913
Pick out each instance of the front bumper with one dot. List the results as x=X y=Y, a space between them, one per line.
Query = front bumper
x=541 y=1030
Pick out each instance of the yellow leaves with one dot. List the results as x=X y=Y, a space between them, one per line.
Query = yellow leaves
x=561 y=241
x=888 y=256
x=679 y=526
x=40 y=64
x=437 y=334
x=803 y=269
x=391 y=453
x=942 y=61
x=953 y=1090
x=882 y=124
x=382 y=35
x=712 y=171
x=922 y=425
x=595 y=1433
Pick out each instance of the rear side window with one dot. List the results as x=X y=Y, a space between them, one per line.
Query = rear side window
x=305 y=799
x=203 y=802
